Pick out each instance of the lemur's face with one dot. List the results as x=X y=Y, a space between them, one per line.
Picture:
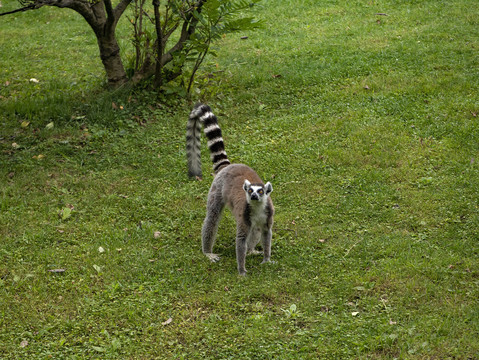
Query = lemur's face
x=257 y=192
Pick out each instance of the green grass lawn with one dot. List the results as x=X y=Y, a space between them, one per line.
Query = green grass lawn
x=366 y=124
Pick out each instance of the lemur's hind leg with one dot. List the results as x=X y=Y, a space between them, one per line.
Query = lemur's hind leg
x=210 y=225
x=241 y=248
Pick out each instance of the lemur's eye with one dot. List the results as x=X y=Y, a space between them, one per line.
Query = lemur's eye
x=250 y=191
x=260 y=191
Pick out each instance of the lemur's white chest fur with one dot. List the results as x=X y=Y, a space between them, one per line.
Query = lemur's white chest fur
x=258 y=214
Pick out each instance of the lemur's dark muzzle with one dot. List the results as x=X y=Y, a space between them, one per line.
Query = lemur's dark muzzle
x=254 y=197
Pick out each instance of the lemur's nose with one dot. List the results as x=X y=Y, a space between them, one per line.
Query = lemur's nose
x=254 y=197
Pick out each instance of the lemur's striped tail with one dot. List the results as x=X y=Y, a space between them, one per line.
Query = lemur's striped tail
x=202 y=114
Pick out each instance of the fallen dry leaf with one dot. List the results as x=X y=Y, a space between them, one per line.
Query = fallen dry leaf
x=167 y=322
x=57 y=271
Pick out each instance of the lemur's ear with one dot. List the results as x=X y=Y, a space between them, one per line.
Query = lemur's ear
x=268 y=188
x=246 y=185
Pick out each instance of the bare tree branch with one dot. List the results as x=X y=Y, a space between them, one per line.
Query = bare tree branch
x=29 y=7
x=110 y=17
x=189 y=27
x=159 y=43
x=72 y=4
x=108 y=8
x=121 y=7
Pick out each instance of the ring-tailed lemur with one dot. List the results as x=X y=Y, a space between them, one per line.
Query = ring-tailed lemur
x=235 y=185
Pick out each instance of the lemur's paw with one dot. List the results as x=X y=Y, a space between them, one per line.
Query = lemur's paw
x=213 y=257
x=268 y=261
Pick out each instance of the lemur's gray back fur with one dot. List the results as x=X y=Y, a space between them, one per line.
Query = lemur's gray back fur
x=202 y=115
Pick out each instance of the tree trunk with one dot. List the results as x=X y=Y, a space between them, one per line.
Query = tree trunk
x=102 y=18
x=110 y=57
